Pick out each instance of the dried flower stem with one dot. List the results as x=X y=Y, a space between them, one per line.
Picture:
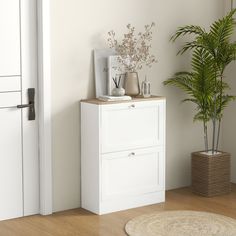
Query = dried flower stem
x=133 y=51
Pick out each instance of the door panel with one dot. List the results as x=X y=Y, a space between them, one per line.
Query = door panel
x=132 y=173
x=18 y=136
x=11 y=198
x=10 y=37
x=10 y=83
x=10 y=99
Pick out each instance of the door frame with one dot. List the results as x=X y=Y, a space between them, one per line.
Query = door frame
x=45 y=127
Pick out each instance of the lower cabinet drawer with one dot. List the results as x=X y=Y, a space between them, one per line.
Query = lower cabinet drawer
x=132 y=173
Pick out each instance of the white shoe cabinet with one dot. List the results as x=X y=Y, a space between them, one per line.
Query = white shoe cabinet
x=122 y=154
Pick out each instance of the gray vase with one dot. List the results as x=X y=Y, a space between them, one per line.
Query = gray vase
x=132 y=84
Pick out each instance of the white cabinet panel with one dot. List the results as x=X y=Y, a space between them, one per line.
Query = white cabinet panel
x=10 y=37
x=129 y=126
x=132 y=173
x=11 y=201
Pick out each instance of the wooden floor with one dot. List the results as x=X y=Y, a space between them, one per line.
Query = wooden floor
x=82 y=223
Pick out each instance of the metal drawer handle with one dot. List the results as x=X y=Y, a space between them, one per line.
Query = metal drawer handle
x=132 y=106
x=132 y=154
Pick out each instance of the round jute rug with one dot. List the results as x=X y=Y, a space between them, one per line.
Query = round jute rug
x=181 y=223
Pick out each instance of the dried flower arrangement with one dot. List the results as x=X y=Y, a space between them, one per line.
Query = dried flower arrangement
x=133 y=51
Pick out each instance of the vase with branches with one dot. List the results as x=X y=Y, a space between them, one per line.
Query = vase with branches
x=205 y=85
x=134 y=52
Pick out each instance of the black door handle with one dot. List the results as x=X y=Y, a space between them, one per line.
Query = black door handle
x=31 y=95
x=24 y=105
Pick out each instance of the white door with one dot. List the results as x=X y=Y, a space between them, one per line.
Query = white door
x=19 y=164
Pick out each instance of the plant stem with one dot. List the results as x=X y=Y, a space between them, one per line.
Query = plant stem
x=213 y=135
x=218 y=135
x=214 y=120
x=118 y=84
x=219 y=125
x=205 y=136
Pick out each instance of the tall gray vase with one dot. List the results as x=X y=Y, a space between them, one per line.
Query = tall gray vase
x=132 y=84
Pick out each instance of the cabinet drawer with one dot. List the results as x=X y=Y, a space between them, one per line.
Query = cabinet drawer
x=132 y=125
x=132 y=173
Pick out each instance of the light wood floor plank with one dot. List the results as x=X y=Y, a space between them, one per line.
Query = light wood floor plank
x=82 y=223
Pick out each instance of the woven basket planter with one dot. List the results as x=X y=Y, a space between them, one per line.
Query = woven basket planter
x=211 y=174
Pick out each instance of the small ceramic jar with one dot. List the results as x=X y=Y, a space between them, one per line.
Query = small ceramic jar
x=118 y=91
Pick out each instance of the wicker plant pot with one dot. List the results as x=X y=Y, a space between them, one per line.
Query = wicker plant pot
x=211 y=174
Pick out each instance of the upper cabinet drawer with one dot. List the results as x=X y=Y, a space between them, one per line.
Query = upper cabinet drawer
x=132 y=125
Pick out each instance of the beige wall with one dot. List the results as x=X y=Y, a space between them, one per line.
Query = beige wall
x=229 y=121
x=80 y=26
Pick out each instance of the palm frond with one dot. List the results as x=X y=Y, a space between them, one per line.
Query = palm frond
x=182 y=80
x=223 y=102
x=223 y=29
x=193 y=100
x=199 y=85
x=189 y=46
x=187 y=30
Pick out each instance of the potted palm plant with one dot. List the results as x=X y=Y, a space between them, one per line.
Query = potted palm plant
x=212 y=52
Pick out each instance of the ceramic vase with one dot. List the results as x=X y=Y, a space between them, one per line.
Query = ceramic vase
x=132 y=84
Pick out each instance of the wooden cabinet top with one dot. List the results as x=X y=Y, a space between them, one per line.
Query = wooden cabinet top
x=134 y=99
